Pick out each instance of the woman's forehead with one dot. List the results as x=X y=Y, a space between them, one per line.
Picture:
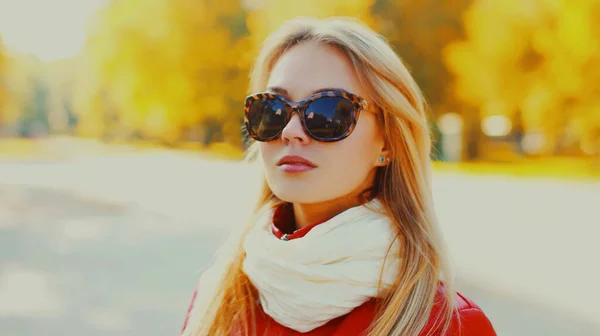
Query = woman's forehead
x=310 y=67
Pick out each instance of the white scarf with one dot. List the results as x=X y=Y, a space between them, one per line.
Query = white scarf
x=306 y=282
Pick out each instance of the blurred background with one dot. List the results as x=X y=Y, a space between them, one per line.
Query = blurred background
x=121 y=147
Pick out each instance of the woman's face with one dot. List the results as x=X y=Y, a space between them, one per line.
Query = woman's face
x=339 y=169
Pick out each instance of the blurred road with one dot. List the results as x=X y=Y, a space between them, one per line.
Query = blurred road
x=113 y=244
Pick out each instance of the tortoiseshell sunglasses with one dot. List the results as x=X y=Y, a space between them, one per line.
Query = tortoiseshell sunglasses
x=326 y=116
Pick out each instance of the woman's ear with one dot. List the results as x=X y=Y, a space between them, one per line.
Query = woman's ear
x=385 y=153
x=384 y=158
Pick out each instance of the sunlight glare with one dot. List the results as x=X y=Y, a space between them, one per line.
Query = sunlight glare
x=51 y=30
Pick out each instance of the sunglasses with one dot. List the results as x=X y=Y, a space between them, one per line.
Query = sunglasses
x=326 y=116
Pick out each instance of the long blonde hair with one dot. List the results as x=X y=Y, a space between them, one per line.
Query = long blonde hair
x=403 y=187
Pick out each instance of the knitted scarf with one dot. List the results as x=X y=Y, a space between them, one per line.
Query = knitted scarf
x=337 y=266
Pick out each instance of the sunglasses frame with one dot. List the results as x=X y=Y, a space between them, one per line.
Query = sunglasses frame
x=357 y=102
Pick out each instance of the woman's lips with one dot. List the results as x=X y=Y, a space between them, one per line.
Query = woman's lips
x=295 y=164
x=295 y=167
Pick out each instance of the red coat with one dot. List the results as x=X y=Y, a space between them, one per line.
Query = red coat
x=473 y=322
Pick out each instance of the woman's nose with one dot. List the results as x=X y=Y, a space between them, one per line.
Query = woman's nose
x=294 y=132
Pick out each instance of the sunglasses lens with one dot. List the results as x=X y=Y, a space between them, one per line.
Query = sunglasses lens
x=329 y=118
x=266 y=118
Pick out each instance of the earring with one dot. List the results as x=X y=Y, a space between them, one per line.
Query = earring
x=381 y=159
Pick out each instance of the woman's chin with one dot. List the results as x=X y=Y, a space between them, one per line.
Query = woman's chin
x=303 y=192
x=295 y=197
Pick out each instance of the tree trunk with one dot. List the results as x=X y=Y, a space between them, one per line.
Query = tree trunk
x=472 y=136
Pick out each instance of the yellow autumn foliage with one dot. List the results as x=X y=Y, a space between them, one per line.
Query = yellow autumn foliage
x=178 y=70
x=267 y=15
x=15 y=86
x=3 y=85
x=159 y=67
x=537 y=59
x=419 y=30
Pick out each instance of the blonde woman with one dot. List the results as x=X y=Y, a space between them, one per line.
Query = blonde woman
x=345 y=240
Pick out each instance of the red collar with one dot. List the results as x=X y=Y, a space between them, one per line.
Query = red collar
x=283 y=224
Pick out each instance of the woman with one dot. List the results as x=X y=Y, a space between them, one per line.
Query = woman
x=345 y=240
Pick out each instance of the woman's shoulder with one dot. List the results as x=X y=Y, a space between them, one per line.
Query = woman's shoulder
x=473 y=321
x=468 y=320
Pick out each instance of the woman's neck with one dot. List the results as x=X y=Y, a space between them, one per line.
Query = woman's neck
x=308 y=214
x=312 y=213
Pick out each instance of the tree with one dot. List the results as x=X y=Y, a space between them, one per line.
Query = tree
x=161 y=67
x=535 y=58
x=34 y=118
x=23 y=91
x=3 y=84
x=419 y=31
x=266 y=15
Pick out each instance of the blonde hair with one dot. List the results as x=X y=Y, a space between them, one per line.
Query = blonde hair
x=403 y=187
